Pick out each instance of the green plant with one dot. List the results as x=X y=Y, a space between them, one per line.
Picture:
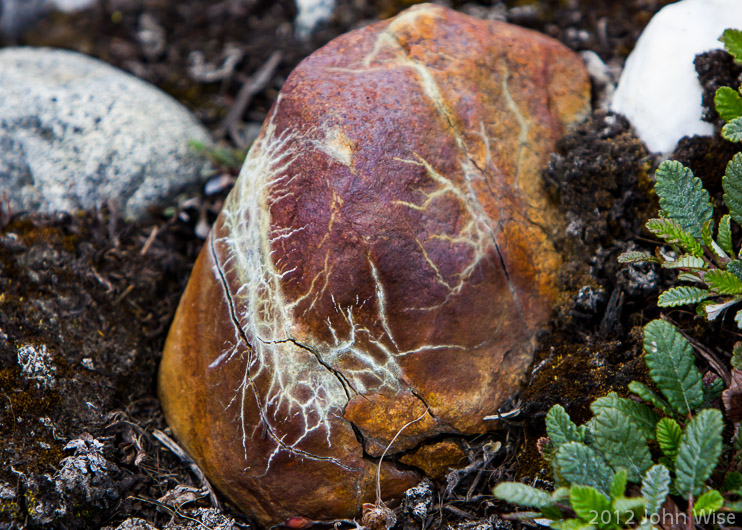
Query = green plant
x=686 y=220
x=592 y=464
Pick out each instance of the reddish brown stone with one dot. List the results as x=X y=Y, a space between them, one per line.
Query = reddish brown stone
x=436 y=459
x=387 y=249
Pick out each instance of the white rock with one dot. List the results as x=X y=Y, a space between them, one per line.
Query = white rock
x=659 y=91
x=310 y=15
x=76 y=132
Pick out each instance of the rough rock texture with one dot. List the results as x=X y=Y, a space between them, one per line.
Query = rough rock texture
x=75 y=133
x=387 y=249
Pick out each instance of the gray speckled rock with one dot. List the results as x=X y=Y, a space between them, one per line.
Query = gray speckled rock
x=76 y=132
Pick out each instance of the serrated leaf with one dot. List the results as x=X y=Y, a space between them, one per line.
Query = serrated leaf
x=668 y=436
x=728 y=103
x=571 y=524
x=737 y=355
x=616 y=436
x=713 y=391
x=559 y=427
x=708 y=503
x=521 y=494
x=637 y=257
x=722 y=282
x=669 y=357
x=560 y=494
x=689 y=277
x=682 y=295
x=686 y=261
x=587 y=501
x=643 y=392
x=713 y=246
x=683 y=197
x=641 y=415
x=629 y=508
x=580 y=464
x=732 y=131
x=732 y=184
x=733 y=481
x=671 y=232
x=725 y=235
x=735 y=267
x=618 y=484
x=732 y=39
x=711 y=310
x=655 y=487
x=699 y=451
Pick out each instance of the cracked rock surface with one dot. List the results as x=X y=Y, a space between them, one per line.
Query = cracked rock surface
x=386 y=254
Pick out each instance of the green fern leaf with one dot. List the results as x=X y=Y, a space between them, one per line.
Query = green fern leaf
x=732 y=131
x=725 y=235
x=580 y=464
x=618 y=484
x=735 y=267
x=708 y=503
x=637 y=257
x=682 y=295
x=728 y=103
x=645 y=394
x=732 y=39
x=682 y=197
x=723 y=282
x=671 y=232
x=559 y=427
x=668 y=436
x=522 y=495
x=686 y=261
x=699 y=451
x=737 y=356
x=732 y=184
x=655 y=487
x=733 y=481
x=587 y=501
x=669 y=357
x=618 y=439
x=640 y=415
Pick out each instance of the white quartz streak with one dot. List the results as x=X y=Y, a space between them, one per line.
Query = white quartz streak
x=659 y=91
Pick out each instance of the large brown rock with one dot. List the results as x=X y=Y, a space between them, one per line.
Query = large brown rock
x=386 y=249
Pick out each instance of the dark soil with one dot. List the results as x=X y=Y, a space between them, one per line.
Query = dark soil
x=88 y=298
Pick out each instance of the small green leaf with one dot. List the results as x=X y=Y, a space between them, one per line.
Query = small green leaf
x=732 y=39
x=708 y=503
x=587 y=501
x=713 y=391
x=580 y=464
x=732 y=481
x=686 y=261
x=671 y=232
x=559 y=427
x=669 y=357
x=655 y=487
x=725 y=235
x=735 y=267
x=699 y=451
x=642 y=416
x=643 y=392
x=571 y=524
x=732 y=131
x=637 y=257
x=618 y=484
x=713 y=246
x=618 y=440
x=668 y=436
x=722 y=282
x=728 y=103
x=732 y=184
x=682 y=197
x=737 y=356
x=682 y=295
x=629 y=509
x=522 y=495
x=738 y=319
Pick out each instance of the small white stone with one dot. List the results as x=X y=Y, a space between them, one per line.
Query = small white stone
x=659 y=91
x=310 y=15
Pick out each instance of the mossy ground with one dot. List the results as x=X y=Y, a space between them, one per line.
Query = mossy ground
x=99 y=294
